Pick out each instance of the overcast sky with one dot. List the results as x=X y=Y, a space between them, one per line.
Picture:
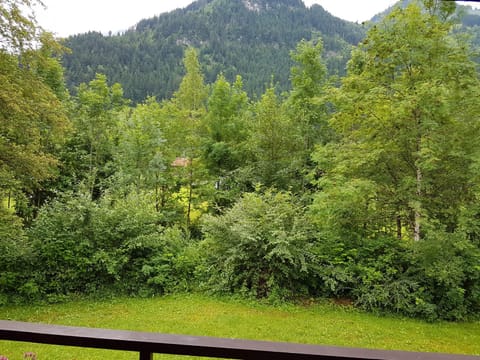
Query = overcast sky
x=68 y=17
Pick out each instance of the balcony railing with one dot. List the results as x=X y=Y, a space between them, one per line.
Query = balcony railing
x=147 y=344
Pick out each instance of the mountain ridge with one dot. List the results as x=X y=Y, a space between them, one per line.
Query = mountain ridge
x=251 y=38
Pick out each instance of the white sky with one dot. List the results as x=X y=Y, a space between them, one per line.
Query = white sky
x=68 y=17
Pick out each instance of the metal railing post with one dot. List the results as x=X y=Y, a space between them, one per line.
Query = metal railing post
x=146 y=355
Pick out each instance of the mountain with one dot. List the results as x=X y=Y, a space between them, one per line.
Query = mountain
x=470 y=16
x=252 y=38
x=467 y=15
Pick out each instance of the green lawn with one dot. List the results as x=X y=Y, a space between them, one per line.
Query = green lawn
x=198 y=315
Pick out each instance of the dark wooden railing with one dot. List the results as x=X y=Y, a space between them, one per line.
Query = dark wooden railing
x=147 y=344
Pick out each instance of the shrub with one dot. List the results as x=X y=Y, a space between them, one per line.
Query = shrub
x=447 y=267
x=382 y=282
x=260 y=247
x=15 y=257
x=371 y=272
x=82 y=246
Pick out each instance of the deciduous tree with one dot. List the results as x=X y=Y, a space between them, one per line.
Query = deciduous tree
x=274 y=143
x=96 y=128
x=32 y=117
x=408 y=125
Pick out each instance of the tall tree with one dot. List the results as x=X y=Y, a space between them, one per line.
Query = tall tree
x=96 y=128
x=187 y=110
x=225 y=129
x=140 y=153
x=192 y=93
x=226 y=132
x=308 y=77
x=274 y=142
x=32 y=117
x=408 y=123
x=306 y=103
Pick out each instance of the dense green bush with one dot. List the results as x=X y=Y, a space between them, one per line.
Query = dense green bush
x=172 y=266
x=447 y=267
x=82 y=246
x=382 y=282
x=15 y=256
x=372 y=272
x=435 y=278
x=264 y=246
x=260 y=247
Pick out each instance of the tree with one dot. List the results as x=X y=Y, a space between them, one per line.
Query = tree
x=96 y=127
x=32 y=117
x=408 y=123
x=224 y=124
x=140 y=153
x=18 y=28
x=308 y=77
x=187 y=110
x=33 y=124
x=192 y=93
x=226 y=132
x=47 y=66
x=273 y=142
x=306 y=103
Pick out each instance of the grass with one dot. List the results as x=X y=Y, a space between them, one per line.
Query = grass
x=200 y=315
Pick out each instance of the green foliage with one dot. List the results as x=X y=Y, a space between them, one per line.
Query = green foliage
x=225 y=141
x=89 y=152
x=225 y=126
x=345 y=209
x=172 y=268
x=447 y=269
x=391 y=155
x=436 y=278
x=306 y=102
x=310 y=72
x=187 y=111
x=48 y=67
x=274 y=144
x=15 y=257
x=83 y=246
x=140 y=156
x=191 y=94
x=18 y=28
x=469 y=222
x=403 y=114
x=33 y=120
x=372 y=273
x=260 y=247
x=401 y=169
x=382 y=281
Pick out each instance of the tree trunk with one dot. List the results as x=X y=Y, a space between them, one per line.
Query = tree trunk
x=157 y=194
x=190 y=194
x=419 y=178
x=418 y=216
x=399 y=227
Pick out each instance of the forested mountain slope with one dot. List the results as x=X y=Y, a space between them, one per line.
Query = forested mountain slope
x=252 y=38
